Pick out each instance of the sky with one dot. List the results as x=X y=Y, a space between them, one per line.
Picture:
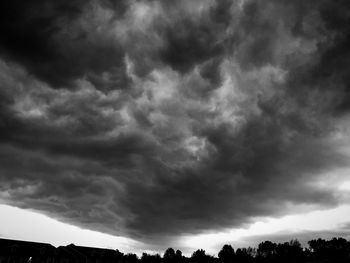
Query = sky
x=142 y=125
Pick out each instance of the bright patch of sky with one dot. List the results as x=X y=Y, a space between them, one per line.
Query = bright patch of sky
x=16 y=223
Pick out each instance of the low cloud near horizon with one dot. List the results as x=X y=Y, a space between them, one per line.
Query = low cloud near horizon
x=158 y=119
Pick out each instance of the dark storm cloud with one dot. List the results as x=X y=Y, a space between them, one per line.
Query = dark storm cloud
x=192 y=41
x=184 y=117
x=40 y=36
x=334 y=62
x=186 y=37
x=262 y=177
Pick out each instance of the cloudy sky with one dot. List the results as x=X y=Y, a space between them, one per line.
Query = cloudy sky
x=141 y=125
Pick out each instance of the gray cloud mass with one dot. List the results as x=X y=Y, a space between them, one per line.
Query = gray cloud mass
x=152 y=119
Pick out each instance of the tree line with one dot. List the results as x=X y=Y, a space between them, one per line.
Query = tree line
x=336 y=250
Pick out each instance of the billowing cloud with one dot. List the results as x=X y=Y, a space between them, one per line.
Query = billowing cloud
x=154 y=119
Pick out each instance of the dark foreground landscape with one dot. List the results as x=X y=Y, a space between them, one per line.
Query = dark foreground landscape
x=318 y=250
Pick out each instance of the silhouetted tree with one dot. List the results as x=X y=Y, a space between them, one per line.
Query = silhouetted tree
x=199 y=256
x=290 y=252
x=335 y=250
x=267 y=250
x=147 y=258
x=227 y=254
x=178 y=256
x=251 y=252
x=318 y=248
x=130 y=258
x=339 y=249
x=118 y=256
x=244 y=255
x=169 y=254
x=178 y=253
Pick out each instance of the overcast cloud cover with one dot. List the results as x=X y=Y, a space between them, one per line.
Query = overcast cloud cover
x=156 y=119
